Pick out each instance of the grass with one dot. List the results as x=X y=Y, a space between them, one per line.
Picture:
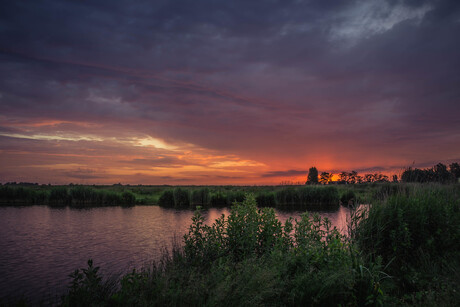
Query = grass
x=403 y=249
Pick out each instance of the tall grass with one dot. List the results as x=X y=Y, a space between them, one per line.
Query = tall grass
x=415 y=232
x=309 y=197
x=58 y=196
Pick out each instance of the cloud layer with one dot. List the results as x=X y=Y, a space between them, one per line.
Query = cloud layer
x=205 y=92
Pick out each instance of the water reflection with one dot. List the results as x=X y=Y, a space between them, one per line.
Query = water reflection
x=41 y=245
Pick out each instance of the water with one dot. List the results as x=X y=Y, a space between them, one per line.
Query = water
x=40 y=246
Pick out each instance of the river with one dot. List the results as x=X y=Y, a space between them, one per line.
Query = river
x=40 y=246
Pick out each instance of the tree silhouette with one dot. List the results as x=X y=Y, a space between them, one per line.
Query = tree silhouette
x=325 y=178
x=455 y=170
x=312 y=176
x=352 y=177
x=437 y=173
x=343 y=177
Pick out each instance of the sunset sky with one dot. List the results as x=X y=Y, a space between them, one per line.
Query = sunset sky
x=225 y=92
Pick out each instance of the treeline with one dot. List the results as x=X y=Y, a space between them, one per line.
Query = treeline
x=346 y=178
x=438 y=173
x=283 y=197
x=59 y=196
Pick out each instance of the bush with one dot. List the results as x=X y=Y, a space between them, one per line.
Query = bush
x=181 y=198
x=87 y=288
x=348 y=198
x=128 y=198
x=166 y=199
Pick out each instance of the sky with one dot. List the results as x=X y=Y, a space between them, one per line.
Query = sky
x=225 y=92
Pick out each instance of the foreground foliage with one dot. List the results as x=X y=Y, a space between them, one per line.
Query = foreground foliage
x=251 y=258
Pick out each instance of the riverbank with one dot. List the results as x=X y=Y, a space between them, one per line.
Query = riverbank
x=402 y=250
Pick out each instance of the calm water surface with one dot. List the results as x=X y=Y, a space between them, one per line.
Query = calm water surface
x=41 y=246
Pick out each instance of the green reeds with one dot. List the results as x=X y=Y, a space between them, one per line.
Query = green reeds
x=60 y=196
x=416 y=234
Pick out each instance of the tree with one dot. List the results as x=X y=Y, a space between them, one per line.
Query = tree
x=312 y=176
x=437 y=173
x=380 y=178
x=369 y=178
x=455 y=170
x=441 y=173
x=352 y=177
x=343 y=177
x=325 y=178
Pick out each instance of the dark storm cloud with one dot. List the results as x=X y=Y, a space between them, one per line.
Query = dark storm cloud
x=261 y=79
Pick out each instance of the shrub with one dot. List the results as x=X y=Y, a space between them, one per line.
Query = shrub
x=181 y=198
x=128 y=198
x=166 y=199
x=87 y=288
x=348 y=198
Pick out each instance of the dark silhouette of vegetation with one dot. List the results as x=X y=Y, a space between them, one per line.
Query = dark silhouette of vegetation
x=348 y=198
x=312 y=176
x=167 y=199
x=454 y=168
x=219 y=199
x=181 y=198
x=325 y=178
x=200 y=197
x=354 y=178
x=438 y=173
